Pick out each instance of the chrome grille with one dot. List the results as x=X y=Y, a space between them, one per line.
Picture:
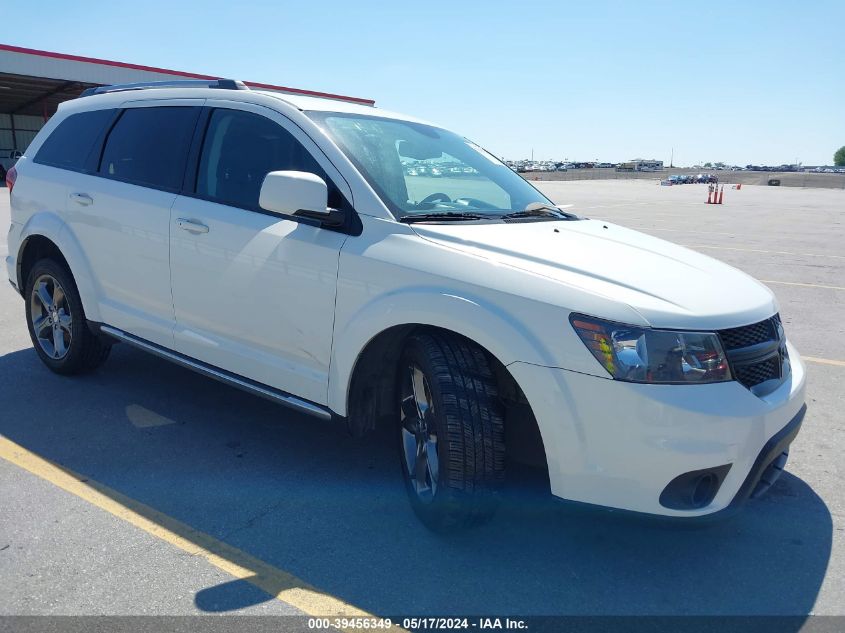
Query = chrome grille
x=756 y=352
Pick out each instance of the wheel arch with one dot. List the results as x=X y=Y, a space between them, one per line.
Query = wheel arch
x=484 y=323
x=371 y=398
x=45 y=235
x=33 y=248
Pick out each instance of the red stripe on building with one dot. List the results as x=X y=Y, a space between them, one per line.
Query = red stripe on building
x=176 y=73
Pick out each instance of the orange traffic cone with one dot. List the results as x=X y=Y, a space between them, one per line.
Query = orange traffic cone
x=709 y=194
x=739 y=186
x=721 y=194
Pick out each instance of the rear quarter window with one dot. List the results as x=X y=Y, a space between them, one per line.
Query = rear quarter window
x=70 y=144
x=149 y=146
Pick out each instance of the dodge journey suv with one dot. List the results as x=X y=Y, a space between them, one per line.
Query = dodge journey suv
x=369 y=268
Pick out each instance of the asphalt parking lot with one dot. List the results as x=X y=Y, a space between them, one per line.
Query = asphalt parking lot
x=166 y=493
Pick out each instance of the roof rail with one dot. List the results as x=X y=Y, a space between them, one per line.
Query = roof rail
x=222 y=84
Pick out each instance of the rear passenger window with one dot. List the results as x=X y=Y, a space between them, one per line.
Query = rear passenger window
x=240 y=148
x=71 y=142
x=149 y=146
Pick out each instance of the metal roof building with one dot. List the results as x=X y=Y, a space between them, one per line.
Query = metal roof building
x=34 y=82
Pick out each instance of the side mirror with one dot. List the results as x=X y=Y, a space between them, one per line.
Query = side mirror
x=291 y=192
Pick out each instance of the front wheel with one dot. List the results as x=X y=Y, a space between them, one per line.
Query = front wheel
x=451 y=431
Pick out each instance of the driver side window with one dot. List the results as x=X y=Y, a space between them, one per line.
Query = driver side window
x=239 y=150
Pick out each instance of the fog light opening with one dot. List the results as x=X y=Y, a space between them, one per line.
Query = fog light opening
x=694 y=490
x=704 y=491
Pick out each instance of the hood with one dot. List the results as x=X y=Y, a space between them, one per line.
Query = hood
x=668 y=285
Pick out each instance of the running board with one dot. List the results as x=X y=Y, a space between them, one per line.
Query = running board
x=233 y=380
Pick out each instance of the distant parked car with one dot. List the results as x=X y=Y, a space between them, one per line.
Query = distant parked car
x=706 y=179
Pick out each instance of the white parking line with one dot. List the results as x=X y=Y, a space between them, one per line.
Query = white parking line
x=798 y=283
x=824 y=361
x=759 y=250
x=650 y=228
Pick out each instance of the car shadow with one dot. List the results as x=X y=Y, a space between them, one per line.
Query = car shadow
x=302 y=495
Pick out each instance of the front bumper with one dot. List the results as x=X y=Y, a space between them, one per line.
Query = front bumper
x=619 y=444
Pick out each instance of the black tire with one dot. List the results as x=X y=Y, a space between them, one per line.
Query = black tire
x=83 y=351
x=466 y=415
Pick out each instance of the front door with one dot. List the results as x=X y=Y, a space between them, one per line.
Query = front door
x=254 y=292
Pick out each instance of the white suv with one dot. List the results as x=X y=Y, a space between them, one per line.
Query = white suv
x=367 y=267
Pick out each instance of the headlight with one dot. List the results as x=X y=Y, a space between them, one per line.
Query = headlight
x=639 y=354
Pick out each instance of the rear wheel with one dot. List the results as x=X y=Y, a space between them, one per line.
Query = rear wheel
x=451 y=431
x=56 y=320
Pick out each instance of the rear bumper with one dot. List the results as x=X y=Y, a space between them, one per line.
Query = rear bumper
x=619 y=445
x=12 y=239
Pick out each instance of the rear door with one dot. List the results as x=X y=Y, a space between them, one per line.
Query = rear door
x=121 y=214
x=253 y=291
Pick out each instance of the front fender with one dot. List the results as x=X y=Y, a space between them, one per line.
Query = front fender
x=50 y=225
x=482 y=322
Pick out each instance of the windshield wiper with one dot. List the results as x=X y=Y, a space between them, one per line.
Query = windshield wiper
x=540 y=210
x=454 y=216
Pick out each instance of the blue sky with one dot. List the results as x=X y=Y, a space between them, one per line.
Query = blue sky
x=752 y=82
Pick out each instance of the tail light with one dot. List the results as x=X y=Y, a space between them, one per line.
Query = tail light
x=11 y=176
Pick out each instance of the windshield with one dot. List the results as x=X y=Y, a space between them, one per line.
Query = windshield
x=423 y=170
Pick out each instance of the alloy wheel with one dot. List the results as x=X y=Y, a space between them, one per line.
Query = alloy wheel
x=51 y=317
x=419 y=436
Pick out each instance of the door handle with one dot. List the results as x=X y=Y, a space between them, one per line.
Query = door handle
x=82 y=198
x=192 y=226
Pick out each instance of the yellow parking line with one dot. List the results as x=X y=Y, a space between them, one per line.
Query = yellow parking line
x=274 y=581
x=824 y=361
x=798 y=283
x=758 y=250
